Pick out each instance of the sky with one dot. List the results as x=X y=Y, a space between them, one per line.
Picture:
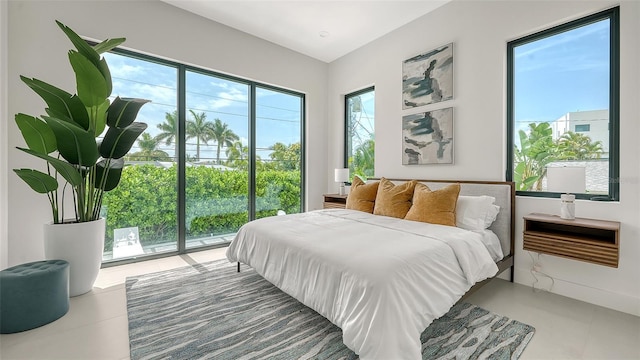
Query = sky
x=563 y=73
x=278 y=115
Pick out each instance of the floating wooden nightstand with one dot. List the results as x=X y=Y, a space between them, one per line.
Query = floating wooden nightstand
x=334 y=201
x=590 y=240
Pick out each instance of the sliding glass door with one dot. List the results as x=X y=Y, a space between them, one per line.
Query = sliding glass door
x=141 y=212
x=218 y=152
x=278 y=152
x=217 y=178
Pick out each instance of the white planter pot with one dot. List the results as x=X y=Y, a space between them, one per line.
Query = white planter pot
x=80 y=244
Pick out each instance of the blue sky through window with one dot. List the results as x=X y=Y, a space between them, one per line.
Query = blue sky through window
x=562 y=73
x=278 y=114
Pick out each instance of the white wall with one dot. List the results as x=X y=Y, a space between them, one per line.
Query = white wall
x=4 y=117
x=37 y=48
x=480 y=31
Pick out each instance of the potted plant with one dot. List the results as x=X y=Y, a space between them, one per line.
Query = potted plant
x=83 y=138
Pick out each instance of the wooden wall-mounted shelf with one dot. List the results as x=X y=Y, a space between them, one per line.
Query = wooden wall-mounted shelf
x=595 y=241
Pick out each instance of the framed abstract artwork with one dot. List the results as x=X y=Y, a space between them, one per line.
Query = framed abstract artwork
x=428 y=78
x=427 y=137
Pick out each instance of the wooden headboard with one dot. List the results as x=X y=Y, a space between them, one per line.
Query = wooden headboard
x=504 y=226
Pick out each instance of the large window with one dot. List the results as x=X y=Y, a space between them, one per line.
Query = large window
x=359 y=141
x=562 y=109
x=218 y=152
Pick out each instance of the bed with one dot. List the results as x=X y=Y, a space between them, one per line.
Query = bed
x=381 y=279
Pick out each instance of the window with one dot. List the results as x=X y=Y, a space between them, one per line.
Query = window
x=218 y=152
x=359 y=152
x=560 y=79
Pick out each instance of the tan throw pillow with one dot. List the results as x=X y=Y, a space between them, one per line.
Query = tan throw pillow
x=435 y=207
x=394 y=200
x=362 y=196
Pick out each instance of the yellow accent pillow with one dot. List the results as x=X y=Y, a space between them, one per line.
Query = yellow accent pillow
x=393 y=200
x=435 y=207
x=362 y=196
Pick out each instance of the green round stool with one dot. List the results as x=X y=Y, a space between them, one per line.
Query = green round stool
x=33 y=294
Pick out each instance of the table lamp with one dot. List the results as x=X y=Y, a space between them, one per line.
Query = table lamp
x=567 y=180
x=341 y=176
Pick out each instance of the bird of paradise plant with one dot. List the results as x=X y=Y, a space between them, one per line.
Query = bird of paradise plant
x=69 y=136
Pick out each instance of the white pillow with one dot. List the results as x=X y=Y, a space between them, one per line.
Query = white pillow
x=476 y=212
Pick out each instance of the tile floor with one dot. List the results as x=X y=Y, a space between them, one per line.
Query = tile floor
x=96 y=325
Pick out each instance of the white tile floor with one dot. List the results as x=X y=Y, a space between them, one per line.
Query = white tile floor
x=96 y=325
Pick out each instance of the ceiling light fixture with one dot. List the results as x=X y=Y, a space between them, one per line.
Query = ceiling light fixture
x=324 y=34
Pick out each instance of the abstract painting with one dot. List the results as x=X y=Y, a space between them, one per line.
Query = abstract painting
x=428 y=78
x=427 y=137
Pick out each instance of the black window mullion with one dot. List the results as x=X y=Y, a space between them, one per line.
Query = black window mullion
x=181 y=159
x=252 y=151
x=302 y=153
x=614 y=104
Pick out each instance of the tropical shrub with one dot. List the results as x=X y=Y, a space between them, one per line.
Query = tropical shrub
x=216 y=201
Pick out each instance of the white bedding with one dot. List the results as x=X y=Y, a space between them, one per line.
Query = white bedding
x=381 y=280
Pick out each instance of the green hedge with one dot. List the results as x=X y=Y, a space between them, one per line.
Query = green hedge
x=216 y=201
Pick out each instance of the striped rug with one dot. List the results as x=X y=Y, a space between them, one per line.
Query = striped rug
x=209 y=311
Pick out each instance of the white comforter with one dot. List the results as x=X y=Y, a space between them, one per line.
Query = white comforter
x=381 y=280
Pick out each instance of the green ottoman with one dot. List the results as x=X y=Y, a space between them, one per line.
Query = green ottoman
x=33 y=294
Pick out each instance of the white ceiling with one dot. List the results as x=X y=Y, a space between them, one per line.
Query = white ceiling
x=297 y=24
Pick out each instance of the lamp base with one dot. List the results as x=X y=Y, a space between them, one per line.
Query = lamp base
x=567 y=207
x=342 y=192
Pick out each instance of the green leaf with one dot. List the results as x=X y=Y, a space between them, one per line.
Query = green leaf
x=40 y=182
x=101 y=117
x=58 y=115
x=90 y=83
x=113 y=171
x=76 y=145
x=83 y=47
x=107 y=45
x=36 y=133
x=60 y=101
x=66 y=170
x=528 y=182
x=123 y=111
x=118 y=141
x=106 y=74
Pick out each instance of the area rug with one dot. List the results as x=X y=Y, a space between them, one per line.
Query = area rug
x=209 y=311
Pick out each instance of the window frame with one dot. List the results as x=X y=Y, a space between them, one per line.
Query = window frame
x=182 y=70
x=613 y=15
x=347 y=137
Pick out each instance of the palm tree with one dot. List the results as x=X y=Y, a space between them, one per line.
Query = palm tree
x=237 y=155
x=576 y=146
x=222 y=135
x=363 y=159
x=237 y=151
x=285 y=157
x=148 y=149
x=169 y=128
x=536 y=151
x=200 y=129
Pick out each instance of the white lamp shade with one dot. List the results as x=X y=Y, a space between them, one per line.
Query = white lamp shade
x=341 y=175
x=566 y=179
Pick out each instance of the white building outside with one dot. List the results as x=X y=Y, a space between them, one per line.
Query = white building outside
x=594 y=124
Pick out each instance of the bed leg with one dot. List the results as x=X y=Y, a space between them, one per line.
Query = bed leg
x=513 y=270
x=239 y=266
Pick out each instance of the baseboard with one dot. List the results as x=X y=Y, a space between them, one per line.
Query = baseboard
x=612 y=300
